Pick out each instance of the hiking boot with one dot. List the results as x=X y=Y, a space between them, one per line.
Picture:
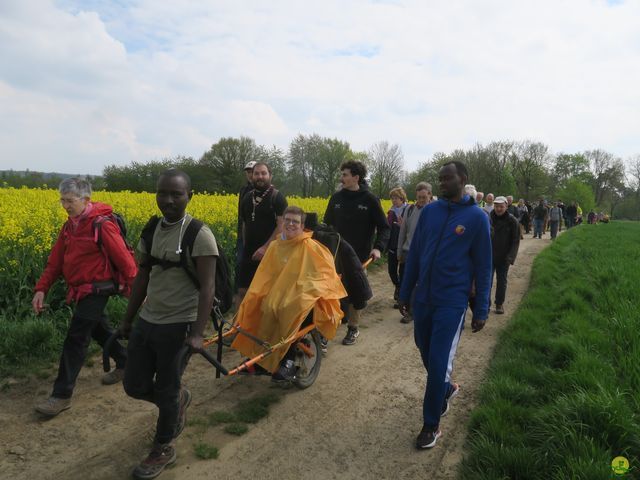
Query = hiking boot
x=499 y=309
x=52 y=406
x=161 y=455
x=454 y=389
x=428 y=437
x=350 y=337
x=114 y=376
x=324 y=345
x=407 y=319
x=185 y=401
x=286 y=372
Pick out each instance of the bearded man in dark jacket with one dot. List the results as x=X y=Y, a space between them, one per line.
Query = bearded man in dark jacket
x=505 y=240
x=356 y=214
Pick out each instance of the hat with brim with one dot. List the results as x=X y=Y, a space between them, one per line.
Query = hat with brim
x=500 y=200
x=250 y=165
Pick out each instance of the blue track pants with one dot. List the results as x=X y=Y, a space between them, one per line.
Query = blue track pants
x=437 y=333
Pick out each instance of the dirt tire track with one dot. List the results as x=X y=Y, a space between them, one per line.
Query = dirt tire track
x=359 y=420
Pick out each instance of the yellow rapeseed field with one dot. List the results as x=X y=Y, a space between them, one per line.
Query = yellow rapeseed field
x=30 y=220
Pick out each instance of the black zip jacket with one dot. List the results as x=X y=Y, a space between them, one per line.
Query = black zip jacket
x=358 y=217
x=505 y=238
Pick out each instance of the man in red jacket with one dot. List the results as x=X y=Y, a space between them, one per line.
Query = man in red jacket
x=87 y=268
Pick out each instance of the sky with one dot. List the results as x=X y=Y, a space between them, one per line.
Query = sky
x=85 y=84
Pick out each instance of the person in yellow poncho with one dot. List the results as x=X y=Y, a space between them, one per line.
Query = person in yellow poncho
x=297 y=275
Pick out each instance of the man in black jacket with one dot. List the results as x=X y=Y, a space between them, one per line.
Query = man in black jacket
x=571 y=213
x=260 y=214
x=356 y=214
x=505 y=240
x=247 y=187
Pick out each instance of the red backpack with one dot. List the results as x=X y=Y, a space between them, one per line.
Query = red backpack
x=123 y=284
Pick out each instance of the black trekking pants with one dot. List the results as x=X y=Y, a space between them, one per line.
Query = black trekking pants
x=395 y=268
x=501 y=270
x=88 y=321
x=152 y=374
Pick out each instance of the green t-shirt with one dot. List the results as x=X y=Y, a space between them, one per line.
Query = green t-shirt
x=171 y=295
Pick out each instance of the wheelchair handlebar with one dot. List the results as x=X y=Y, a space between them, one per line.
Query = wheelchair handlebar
x=184 y=352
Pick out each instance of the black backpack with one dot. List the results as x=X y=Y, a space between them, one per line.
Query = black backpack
x=223 y=289
x=123 y=284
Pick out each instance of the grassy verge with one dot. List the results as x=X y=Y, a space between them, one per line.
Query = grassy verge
x=31 y=345
x=562 y=398
x=236 y=422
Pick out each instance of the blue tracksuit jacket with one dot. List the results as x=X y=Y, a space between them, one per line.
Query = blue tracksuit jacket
x=450 y=247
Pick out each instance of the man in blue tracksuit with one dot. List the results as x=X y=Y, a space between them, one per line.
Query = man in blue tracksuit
x=451 y=247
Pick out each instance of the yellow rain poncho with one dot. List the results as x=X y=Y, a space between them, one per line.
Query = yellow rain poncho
x=294 y=277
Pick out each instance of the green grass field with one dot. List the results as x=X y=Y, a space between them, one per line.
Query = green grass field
x=562 y=398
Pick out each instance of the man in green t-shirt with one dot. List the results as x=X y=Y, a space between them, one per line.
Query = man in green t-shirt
x=175 y=312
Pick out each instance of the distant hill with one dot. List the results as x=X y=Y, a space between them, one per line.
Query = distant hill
x=31 y=179
x=27 y=173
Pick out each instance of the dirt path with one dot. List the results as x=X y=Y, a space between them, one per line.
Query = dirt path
x=359 y=420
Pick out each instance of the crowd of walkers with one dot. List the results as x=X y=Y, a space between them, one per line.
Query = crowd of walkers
x=442 y=254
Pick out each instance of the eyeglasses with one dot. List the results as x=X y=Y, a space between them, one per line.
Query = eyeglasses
x=291 y=221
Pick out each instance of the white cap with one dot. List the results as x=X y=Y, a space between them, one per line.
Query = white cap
x=500 y=200
x=250 y=165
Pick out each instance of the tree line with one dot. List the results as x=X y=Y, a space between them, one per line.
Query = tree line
x=597 y=179
x=309 y=168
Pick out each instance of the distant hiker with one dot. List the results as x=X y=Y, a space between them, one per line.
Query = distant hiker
x=578 y=214
x=523 y=217
x=89 y=246
x=555 y=219
x=512 y=208
x=261 y=217
x=505 y=240
x=356 y=214
x=488 y=205
x=571 y=215
x=174 y=312
x=479 y=197
x=563 y=208
x=408 y=228
x=451 y=246
x=394 y=219
x=540 y=214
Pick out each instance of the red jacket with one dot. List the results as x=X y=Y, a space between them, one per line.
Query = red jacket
x=77 y=257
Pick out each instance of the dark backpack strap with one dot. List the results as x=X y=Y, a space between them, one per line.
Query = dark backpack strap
x=186 y=245
x=410 y=210
x=274 y=193
x=97 y=229
x=147 y=236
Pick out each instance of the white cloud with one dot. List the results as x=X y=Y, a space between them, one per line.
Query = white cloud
x=85 y=84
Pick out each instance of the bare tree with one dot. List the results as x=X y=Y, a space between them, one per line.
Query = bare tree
x=387 y=167
x=608 y=173
x=634 y=173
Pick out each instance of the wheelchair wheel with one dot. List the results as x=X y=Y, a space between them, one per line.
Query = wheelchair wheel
x=308 y=366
